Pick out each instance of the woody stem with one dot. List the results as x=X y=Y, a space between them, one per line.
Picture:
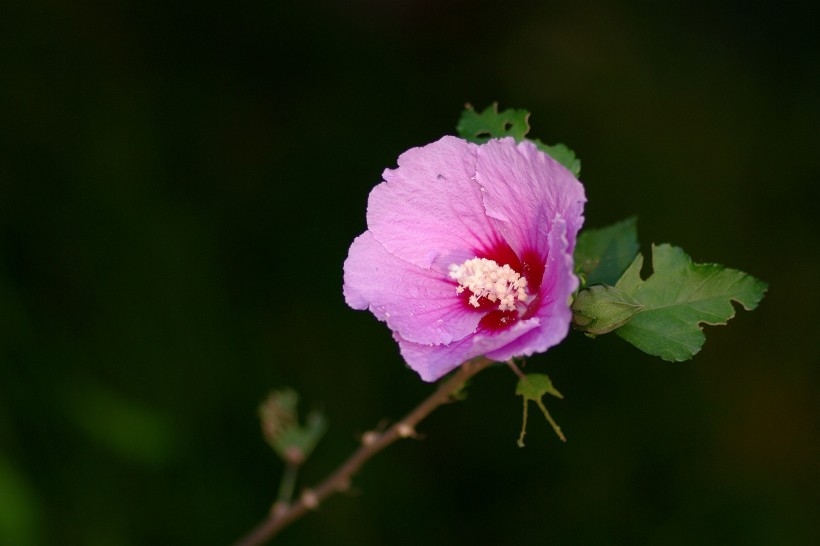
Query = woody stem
x=283 y=514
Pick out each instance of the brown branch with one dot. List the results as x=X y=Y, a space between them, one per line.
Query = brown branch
x=283 y=515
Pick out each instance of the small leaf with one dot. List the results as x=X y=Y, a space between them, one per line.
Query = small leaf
x=479 y=127
x=678 y=297
x=602 y=255
x=533 y=387
x=602 y=308
x=280 y=426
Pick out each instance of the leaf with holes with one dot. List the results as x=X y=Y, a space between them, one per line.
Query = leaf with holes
x=678 y=297
x=479 y=127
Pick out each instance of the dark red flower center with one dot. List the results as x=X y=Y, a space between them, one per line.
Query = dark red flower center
x=530 y=265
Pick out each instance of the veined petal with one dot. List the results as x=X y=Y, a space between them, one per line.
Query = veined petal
x=525 y=190
x=429 y=211
x=419 y=304
x=554 y=312
x=433 y=361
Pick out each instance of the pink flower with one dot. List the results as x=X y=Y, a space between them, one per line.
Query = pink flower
x=468 y=252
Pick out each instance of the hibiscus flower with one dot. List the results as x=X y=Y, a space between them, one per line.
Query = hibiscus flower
x=468 y=252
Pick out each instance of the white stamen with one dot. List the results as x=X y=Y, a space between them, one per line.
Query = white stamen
x=486 y=279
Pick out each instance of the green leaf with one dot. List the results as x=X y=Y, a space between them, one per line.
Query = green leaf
x=534 y=387
x=678 y=297
x=280 y=426
x=479 y=127
x=602 y=308
x=602 y=255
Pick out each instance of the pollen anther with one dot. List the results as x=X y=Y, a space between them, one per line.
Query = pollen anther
x=486 y=279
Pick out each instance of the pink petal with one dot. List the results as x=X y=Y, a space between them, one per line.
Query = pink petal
x=419 y=304
x=433 y=361
x=525 y=190
x=429 y=211
x=554 y=312
x=451 y=201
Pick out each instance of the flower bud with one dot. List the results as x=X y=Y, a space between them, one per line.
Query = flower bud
x=602 y=308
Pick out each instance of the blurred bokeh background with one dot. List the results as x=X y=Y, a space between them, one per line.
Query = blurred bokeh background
x=179 y=184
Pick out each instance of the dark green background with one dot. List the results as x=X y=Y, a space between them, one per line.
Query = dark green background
x=179 y=184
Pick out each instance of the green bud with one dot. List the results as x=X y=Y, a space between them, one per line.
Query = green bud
x=602 y=308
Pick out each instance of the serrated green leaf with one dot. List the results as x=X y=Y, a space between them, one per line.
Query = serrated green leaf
x=601 y=308
x=479 y=127
x=603 y=254
x=678 y=297
x=534 y=387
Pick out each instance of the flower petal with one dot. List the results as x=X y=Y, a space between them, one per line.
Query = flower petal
x=446 y=203
x=554 y=312
x=525 y=190
x=433 y=361
x=419 y=304
x=429 y=211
